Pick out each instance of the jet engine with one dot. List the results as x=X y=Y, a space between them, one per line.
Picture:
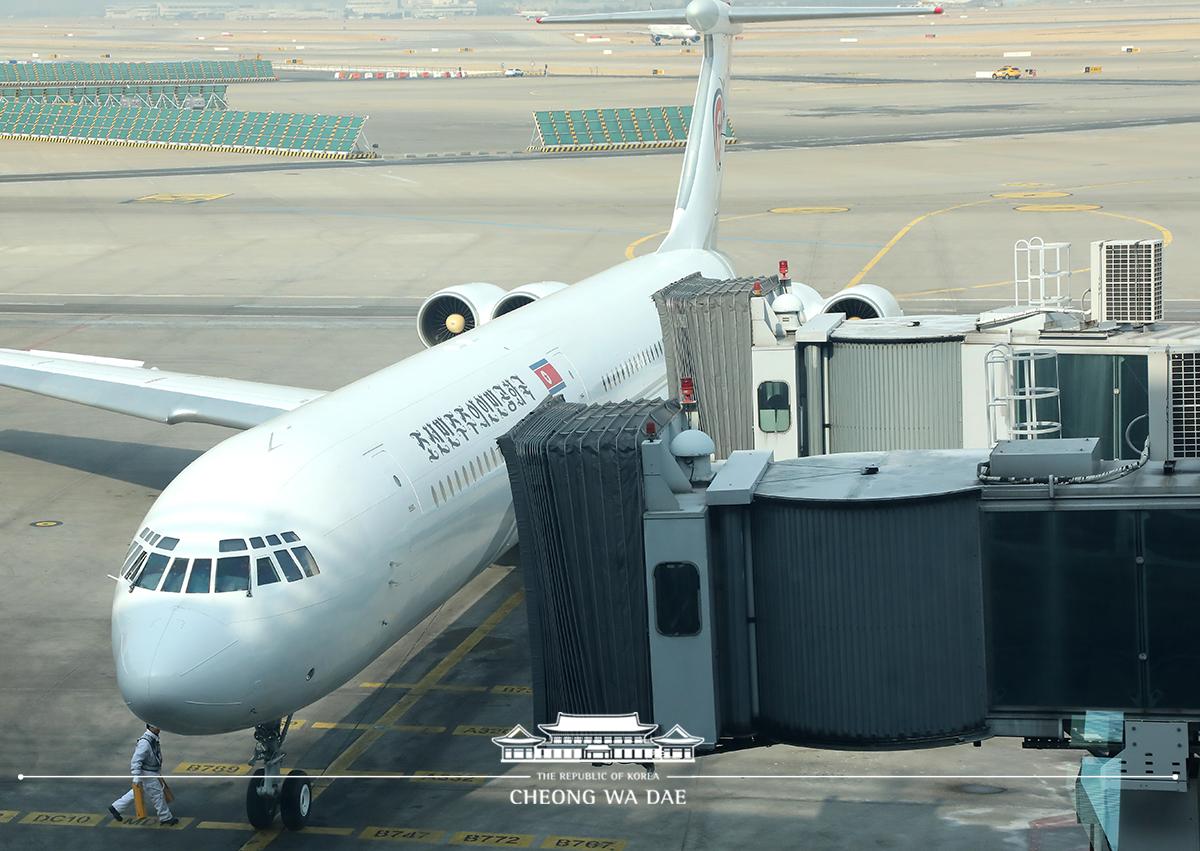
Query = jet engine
x=456 y=310
x=524 y=295
x=865 y=301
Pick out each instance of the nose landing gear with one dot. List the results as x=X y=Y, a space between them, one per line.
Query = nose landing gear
x=269 y=792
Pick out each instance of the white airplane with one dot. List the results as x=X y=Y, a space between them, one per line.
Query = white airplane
x=288 y=557
x=669 y=32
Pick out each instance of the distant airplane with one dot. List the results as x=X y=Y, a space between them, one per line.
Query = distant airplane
x=669 y=32
x=289 y=556
x=532 y=14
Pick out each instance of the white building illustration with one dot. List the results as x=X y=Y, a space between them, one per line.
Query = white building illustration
x=598 y=738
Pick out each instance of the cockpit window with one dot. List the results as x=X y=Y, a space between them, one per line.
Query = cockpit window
x=232 y=545
x=290 y=570
x=145 y=534
x=155 y=565
x=130 y=558
x=174 y=580
x=257 y=543
x=137 y=564
x=168 y=543
x=233 y=574
x=307 y=563
x=273 y=540
x=291 y=537
x=198 y=581
x=153 y=539
x=266 y=572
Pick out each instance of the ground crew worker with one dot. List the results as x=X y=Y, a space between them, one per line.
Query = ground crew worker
x=146 y=768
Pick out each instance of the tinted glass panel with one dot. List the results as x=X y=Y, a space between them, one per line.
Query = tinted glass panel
x=199 y=579
x=134 y=551
x=168 y=543
x=257 y=543
x=174 y=580
x=1172 y=588
x=273 y=540
x=307 y=563
x=154 y=536
x=774 y=411
x=232 y=545
x=137 y=565
x=233 y=574
x=291 y=537
x=155 y=565
x=266 y=572
x=290 y=569
x=1100 y=397
x=677 y=598
x=145 y=535
x=1061 y=608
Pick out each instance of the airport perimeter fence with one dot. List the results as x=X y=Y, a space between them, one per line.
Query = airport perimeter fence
x=146 y=73
x=294 y=134
x=584 y=130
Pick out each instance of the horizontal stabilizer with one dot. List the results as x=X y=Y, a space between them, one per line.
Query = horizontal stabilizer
x=656 y=16
x=125 y=387
x=769 y=14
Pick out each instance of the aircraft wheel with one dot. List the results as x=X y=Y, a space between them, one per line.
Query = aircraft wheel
x=259 y=810
x=296 y=800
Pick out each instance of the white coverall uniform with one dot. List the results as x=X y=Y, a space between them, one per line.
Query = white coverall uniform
x=146 y=765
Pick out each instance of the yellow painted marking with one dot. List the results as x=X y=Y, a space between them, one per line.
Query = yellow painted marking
x=297 y=723
x=583 y=843
x=45 y=524
x=473 y=730
x=1028 y=184
x=1032 y=195
x=1167 y=236
x=512 y=689
x=438 y=687
x=231 y=769
x=224 y=825
x=807 y=211
x=330 y=831
x=8 y=815
x=339 y=725
x=447 y=777
x=151 y=821
x=261 y=839
x=1007 y=283
x=637 y=243
x=493 y=840
x=181 y=197
x=402 y=834
x=63 y=819
x=1057 y=208
x=418 y=728
x=900 y=234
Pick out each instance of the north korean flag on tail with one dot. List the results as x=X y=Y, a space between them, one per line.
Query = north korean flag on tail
x=545 y=370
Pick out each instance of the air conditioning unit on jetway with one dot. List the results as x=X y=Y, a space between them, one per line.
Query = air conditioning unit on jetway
x=1127 y=282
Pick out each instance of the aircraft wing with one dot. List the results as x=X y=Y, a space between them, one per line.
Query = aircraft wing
x=128 y=387
x=743 y=14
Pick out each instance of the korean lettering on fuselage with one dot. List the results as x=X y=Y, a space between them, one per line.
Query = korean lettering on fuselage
x=440 y=436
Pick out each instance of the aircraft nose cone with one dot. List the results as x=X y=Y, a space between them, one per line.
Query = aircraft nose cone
x=169 y=672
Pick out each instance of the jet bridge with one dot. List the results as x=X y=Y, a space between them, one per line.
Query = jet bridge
x=874 y=600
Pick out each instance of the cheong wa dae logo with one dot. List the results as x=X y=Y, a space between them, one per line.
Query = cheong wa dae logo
x=598 y=738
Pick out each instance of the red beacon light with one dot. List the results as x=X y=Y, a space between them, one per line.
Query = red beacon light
x=687 y=390
x=651 y=429
x=938 y=10
x=783 y=270
x=757 y=288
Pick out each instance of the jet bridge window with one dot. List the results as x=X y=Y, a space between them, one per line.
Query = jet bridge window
x=290 y=569
x=233 y=574
x=774 y=409
x=153 y=571
x=174 y=580
x=677 y=598
x=199 y=580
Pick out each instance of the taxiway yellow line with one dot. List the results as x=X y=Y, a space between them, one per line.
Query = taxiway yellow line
x=1167 y=236
x=903 y=232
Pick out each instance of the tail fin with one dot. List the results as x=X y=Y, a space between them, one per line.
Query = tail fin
x=698 y=203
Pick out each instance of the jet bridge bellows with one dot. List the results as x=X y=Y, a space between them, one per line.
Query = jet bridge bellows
x=576 y=482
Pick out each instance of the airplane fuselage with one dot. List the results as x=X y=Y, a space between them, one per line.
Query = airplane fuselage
x=392 y=484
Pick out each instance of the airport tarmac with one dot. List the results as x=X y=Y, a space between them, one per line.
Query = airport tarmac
x=310 y=273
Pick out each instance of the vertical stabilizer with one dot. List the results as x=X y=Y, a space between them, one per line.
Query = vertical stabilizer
x=697 y=206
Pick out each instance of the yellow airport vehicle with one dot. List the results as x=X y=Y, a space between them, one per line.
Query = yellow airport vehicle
x=1008 y=72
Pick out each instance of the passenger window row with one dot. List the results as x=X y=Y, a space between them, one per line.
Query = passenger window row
x=162 y=572
x=633 y=365
x=466 y=475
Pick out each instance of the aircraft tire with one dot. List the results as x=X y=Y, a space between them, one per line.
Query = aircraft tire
x=296 y=800
x=260 y=811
